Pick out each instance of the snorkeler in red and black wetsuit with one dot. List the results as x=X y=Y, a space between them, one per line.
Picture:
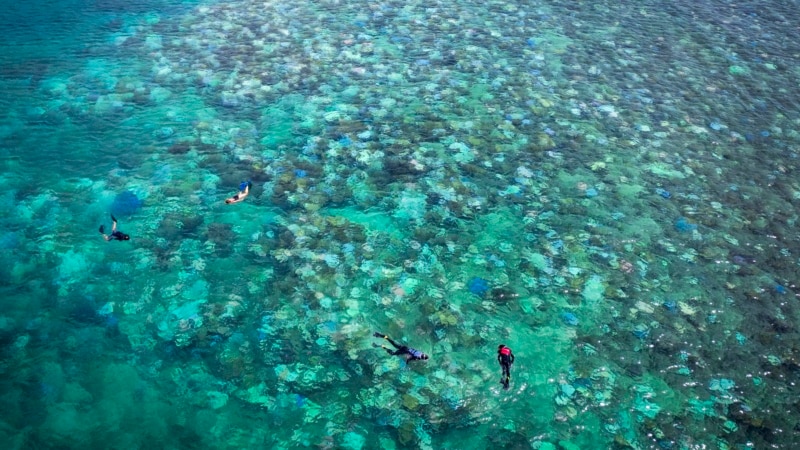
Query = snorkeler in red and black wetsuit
x=411 y=354
x=506 y=358
x=115 y=235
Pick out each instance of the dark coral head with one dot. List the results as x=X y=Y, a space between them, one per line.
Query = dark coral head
x=126 y=203
x=478 y=286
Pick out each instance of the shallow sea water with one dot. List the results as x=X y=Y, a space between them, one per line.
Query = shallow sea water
x=609 y=189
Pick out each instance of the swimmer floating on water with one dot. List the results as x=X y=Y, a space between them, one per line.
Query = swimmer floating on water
x=115 y=235
x=506 y=358
x=411 y=354
x=244 y=189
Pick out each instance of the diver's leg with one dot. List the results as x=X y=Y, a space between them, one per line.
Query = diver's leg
x=396 y=345
x=383 y=336
x=113 y=223
x=388 y=350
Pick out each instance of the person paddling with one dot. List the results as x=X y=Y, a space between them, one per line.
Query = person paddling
x=115 y=235
x=244 y=190
x=506 y=358
x=410 y=354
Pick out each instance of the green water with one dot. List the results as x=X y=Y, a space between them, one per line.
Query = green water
x=608 y=189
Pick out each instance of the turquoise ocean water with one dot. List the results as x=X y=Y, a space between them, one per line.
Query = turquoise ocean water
x=609 y=188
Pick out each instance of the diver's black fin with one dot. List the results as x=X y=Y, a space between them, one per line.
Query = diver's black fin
x=113 y=218
x=102 y=229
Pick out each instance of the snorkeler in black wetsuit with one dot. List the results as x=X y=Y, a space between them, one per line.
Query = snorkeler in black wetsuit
x=506 y=358
x=115 y=235
x=411 y=354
